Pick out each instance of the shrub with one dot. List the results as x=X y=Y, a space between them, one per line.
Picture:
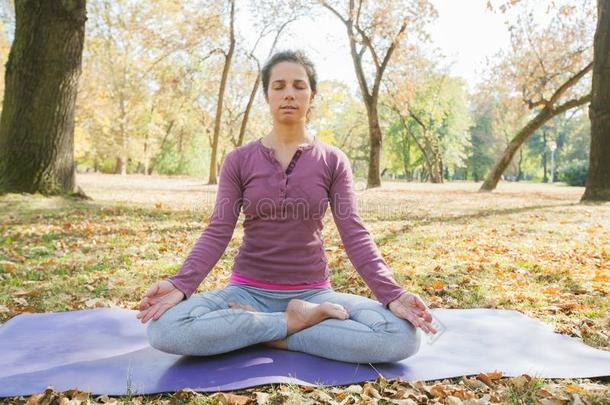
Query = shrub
x=575 y=172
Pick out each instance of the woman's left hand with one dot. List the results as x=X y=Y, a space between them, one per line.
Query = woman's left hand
x=412 y=308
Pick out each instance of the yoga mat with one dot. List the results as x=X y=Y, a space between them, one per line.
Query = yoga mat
x=105 y=351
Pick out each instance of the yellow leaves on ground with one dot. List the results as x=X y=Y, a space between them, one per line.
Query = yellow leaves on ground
x=601 y=277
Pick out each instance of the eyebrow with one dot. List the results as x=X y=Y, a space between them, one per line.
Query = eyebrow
x=283 y=81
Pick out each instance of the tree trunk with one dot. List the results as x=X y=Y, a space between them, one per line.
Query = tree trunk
x=538 y=121
x=41 y=83
x=598 y=179
x=374 y=178
x=244 y=121
x=549 y=110
x=221 y=93
x=412 y=135
x=520 y=165
x=545 y=178
x=435 y=163
x=123 y=139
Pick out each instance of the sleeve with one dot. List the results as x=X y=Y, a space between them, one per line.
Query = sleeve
x=359 y=245
x=216 y=236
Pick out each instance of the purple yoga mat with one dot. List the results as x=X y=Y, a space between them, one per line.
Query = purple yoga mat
x=105 y=351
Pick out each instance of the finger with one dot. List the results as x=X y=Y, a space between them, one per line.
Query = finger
x=160 y=311
x=145 y=316
x=425 y=326
x=422 y=308
x=415 y=320
x=426 y=315
x=145 y=303
x=410 y=316
x=430 y=328
x=141 y=315
x=420 y=304
x=150 y=312
x=153 y=290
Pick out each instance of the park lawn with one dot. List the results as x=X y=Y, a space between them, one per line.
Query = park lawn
x=532 y=248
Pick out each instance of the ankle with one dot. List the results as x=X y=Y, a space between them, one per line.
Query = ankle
x=277 y=344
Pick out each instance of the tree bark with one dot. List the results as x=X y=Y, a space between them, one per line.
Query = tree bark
x=374 y=177
x=221 y=93
x=598 y=179
x=42 y=72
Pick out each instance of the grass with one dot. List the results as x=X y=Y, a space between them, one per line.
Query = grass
x=532 y=248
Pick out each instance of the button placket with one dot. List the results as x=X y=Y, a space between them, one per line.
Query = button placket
x=284 y=175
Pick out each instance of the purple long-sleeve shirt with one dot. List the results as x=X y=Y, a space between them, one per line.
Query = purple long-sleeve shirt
x=283 y=222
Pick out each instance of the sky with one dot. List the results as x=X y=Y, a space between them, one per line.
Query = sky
x=465 y=32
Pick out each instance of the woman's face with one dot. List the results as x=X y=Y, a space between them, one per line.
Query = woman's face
x=289 y=94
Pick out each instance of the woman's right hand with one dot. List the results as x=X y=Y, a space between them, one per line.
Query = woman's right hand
x=160 y=297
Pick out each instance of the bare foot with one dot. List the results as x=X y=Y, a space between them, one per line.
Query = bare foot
x=301 y=314
x=277 y=344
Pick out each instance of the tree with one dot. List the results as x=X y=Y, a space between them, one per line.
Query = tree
x=377 y=27
x=430 y=106
x=547 y=64
x=41 y=83
x=598 y=179
x=497 y=113
x=273 y=20
x=228 y=56
x=154 y=58
x=340 y=119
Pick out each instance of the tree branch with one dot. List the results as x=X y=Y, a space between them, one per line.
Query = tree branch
x=569 y=83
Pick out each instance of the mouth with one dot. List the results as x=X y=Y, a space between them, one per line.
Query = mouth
x=288 y=107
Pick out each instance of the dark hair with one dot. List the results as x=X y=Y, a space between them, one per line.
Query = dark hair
x=297 y=56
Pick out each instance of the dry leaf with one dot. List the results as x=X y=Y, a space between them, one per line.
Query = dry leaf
x=453 y=401
x=370 y=391
x=231 y=399
x=262 y=398
x=99 y=303
x=8 y=267
x=438 y=390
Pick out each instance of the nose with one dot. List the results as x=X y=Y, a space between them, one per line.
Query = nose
x=289 y=93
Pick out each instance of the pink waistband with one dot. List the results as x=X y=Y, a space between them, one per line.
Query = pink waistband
x=239 y=279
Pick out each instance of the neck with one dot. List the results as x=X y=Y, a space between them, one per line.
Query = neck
x=288 y=135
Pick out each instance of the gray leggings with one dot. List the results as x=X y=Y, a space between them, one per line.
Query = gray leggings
x=204 y=325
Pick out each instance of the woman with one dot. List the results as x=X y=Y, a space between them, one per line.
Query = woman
x=279 y=293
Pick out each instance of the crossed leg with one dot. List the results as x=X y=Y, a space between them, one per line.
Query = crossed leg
x=371 y=334
x=220 y=321
x=233 y=318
